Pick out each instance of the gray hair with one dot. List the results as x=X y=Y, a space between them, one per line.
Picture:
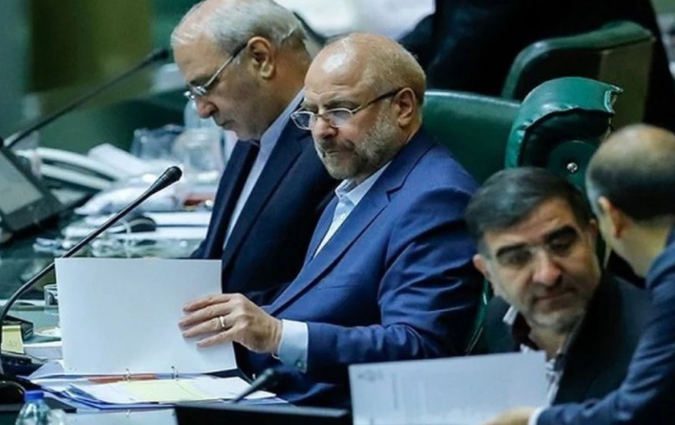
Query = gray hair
x=231 y=23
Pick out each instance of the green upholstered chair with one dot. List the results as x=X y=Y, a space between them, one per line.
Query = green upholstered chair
x=474 y=127
x=560 y=124
x=618 y=53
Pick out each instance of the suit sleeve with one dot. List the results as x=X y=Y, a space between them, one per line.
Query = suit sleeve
x=428 y=294
x=647 y=396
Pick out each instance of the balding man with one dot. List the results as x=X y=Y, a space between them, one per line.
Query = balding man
x=388 y=274
x=631 y=187
x=245 y=62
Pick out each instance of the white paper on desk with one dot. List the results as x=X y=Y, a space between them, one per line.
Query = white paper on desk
x=121 y=315
x=453 y=391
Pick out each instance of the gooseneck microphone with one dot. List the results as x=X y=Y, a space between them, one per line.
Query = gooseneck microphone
x=266 y=380
x=158 y=55
x=170 y=176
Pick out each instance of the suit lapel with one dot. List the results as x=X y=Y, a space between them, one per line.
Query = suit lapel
x=321 y=229
x=358 y=221
x=288 y=148
x=228 y=182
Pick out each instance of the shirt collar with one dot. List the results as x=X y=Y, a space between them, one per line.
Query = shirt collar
x=520 y=332
x=273 y=132
x=349 y=191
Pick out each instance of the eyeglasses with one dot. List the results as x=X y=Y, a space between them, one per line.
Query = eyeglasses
x=559 y=244
x=201 y=90
x=336 y=117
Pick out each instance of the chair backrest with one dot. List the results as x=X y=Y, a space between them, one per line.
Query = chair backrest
x=474 y=127
x=618 y=53
x=560 y=125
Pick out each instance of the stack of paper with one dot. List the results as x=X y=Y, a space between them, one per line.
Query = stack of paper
x=458 y=391
x=119 y=321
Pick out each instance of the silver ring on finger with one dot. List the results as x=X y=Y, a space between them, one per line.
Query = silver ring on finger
x=221 y=320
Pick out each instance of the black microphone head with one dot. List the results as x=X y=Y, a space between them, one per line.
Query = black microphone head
x=173 y=174
x=170 y=176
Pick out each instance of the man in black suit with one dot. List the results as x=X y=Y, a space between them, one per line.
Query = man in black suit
x=245 y=62
x=631 y=186
x=554 y=299
x=470 y=45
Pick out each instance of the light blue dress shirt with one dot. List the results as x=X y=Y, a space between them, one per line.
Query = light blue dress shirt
x=294 y=343
x=268 y=141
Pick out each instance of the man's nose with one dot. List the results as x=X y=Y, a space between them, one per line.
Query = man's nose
x=547 y=271
x=322 y=129
x=204 y=108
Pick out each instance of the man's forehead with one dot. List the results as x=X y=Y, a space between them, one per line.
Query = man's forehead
x=545 y=219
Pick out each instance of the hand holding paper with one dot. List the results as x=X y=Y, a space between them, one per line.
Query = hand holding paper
x=232 y=318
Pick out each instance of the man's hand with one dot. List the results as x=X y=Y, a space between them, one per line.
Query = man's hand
x=518 y=416
x=231 y=317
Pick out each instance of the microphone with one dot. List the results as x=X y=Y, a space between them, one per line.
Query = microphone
x=266 y=380
x=170 y=176
x=158 y=55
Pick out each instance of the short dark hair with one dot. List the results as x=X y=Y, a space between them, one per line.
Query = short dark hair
x=510 y=196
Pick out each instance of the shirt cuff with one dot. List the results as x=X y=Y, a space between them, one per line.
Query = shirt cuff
x=294 y=344
x=535 y=416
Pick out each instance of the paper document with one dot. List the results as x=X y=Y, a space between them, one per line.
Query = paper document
x=453 y=391
x=120 y=316
x=200 y=388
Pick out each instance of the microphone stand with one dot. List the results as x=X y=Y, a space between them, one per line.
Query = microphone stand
x=170 y=176
x=266 y=380
x=155 y=56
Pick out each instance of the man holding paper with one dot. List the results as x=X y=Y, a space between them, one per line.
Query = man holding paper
x=536 y=244
x=388 y=275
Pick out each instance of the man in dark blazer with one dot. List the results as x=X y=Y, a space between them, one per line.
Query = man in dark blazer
x=470 y=45
x=631 y=186
x=245 y=62
x=388 y=273
x=553 y=299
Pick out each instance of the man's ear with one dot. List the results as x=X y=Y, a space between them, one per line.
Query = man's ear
x=480 y=263
x=618 y=221
x=263 y=54
x=407 y=106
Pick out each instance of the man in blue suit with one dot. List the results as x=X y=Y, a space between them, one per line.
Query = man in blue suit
x=245 y=61
x=388 y=274
x=631 y=186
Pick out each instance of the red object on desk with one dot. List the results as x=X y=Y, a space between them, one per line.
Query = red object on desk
x=117 y=378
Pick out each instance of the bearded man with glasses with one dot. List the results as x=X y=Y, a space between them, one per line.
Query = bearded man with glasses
x=244 y=62
x=388 y=274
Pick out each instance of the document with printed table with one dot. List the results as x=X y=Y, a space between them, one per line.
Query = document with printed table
x=120 y=334
x=453 y=391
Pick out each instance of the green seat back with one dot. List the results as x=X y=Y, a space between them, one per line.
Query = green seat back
x=559 y=126
x=474 y=127
x=618 y=53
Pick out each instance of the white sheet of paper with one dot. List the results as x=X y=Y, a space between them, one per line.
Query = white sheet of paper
x=121 y=316
x=453 y=391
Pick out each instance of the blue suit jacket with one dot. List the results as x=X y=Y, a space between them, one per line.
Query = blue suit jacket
x=268 y=243
x=647 y=396
x=395 y=282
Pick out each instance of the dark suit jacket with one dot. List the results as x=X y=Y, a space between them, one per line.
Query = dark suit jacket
x=268 y=243
x=647 y=395
x=598 y=358
x=395 y=281
x=470 y=45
